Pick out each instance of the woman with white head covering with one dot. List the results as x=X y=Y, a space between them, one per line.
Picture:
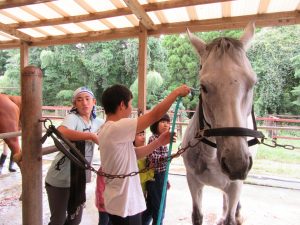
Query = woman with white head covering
x=65 y=182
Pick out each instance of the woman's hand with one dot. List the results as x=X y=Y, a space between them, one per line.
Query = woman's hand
x=94 y=138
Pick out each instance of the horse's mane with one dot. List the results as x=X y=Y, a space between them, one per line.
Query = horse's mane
x=226 y=45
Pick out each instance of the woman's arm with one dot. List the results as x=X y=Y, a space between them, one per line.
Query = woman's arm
x=75 y=135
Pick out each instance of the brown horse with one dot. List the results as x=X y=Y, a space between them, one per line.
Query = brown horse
x=10 y=111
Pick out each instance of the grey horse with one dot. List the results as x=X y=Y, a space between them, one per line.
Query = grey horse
x=227 y=81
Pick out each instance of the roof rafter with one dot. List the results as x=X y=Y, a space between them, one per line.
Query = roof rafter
x=141 y=14
x=262 y=20
x=263 y=6
x=272 y=19
x=15 y=33
x=113 y=13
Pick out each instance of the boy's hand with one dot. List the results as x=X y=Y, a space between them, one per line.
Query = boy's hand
x=183 y=90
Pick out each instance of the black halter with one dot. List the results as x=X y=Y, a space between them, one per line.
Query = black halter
x=226 y=131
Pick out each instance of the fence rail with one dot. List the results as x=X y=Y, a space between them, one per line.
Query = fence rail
x=272 y=124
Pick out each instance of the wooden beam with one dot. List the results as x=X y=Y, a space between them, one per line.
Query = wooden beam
x=9 y=44
x=192 y=13
x=142 y=69
x=263 y=6
x=15 y=33
x=271 y=19
x=94 y=36
x=17 y=3
x=239 y=22
x=24 y=55
x=226 y=9
x=112 y=13
x=141 y=14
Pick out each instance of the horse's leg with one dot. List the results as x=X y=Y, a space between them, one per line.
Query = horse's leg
x=196 y=193
x=232 y=198
x=14 y=146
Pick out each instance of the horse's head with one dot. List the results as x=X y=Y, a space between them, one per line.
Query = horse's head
x=227 y=81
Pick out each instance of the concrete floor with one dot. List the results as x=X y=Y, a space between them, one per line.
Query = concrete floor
x=261 y=205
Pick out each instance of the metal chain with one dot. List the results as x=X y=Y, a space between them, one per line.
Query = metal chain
x=274 y=144
x=122 y=176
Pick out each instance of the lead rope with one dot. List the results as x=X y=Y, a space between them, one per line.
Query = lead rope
x=163 y=194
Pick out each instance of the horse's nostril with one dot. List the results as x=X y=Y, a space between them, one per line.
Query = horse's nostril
x=250 y=163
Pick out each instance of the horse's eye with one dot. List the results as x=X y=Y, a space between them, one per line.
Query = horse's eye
x=203 y=88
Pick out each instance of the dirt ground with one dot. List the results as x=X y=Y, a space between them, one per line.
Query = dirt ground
x=261 y=205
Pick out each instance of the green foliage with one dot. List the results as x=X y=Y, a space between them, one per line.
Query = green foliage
x=3 y=59
x=11 y=76
x=154 y=90
x=64 y=97
x=271 y=55
x=274 y=56
x=296 y=90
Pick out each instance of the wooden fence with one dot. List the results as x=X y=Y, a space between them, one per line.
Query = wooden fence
x=272 y=123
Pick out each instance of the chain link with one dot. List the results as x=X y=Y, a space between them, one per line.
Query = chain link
x=273 y=144
x=147 y=168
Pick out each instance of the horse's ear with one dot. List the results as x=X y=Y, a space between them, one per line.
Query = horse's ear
x=197 y=43
x=248 y=35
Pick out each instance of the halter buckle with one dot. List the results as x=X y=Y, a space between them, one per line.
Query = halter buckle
x=200 y=134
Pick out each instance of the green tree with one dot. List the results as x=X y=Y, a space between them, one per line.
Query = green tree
x=271 y=54
x=296 y=90
x=154 y=89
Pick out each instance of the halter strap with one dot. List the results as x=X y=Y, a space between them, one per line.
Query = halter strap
x=226 y=131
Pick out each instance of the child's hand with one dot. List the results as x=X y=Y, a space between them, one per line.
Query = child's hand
x=94 y=138
x=183 y=90
x=164 y=138
x=174 y=139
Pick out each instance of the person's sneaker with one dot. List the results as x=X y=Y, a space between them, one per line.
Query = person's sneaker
x=10 y=167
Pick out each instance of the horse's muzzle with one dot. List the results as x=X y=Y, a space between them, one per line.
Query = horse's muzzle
x=236 y=174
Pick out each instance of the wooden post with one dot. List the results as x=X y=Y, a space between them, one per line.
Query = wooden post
x=23 y=55
x=142 y=68
x=31 y=89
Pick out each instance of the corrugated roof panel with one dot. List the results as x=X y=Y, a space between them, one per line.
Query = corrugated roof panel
x=70 y=7
x=73 y=28
x=279 y=5
x=244 y=7
x=21 y=14
x=6 y=20
x=52 y=30
x=154 y=18
x=120 y=22
x=176 y=15
x=6 y=37
x=44 y=10
x=102 y=5
x=209 y=11
x=32 y=32
x=95 y=25
x=143 y=2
